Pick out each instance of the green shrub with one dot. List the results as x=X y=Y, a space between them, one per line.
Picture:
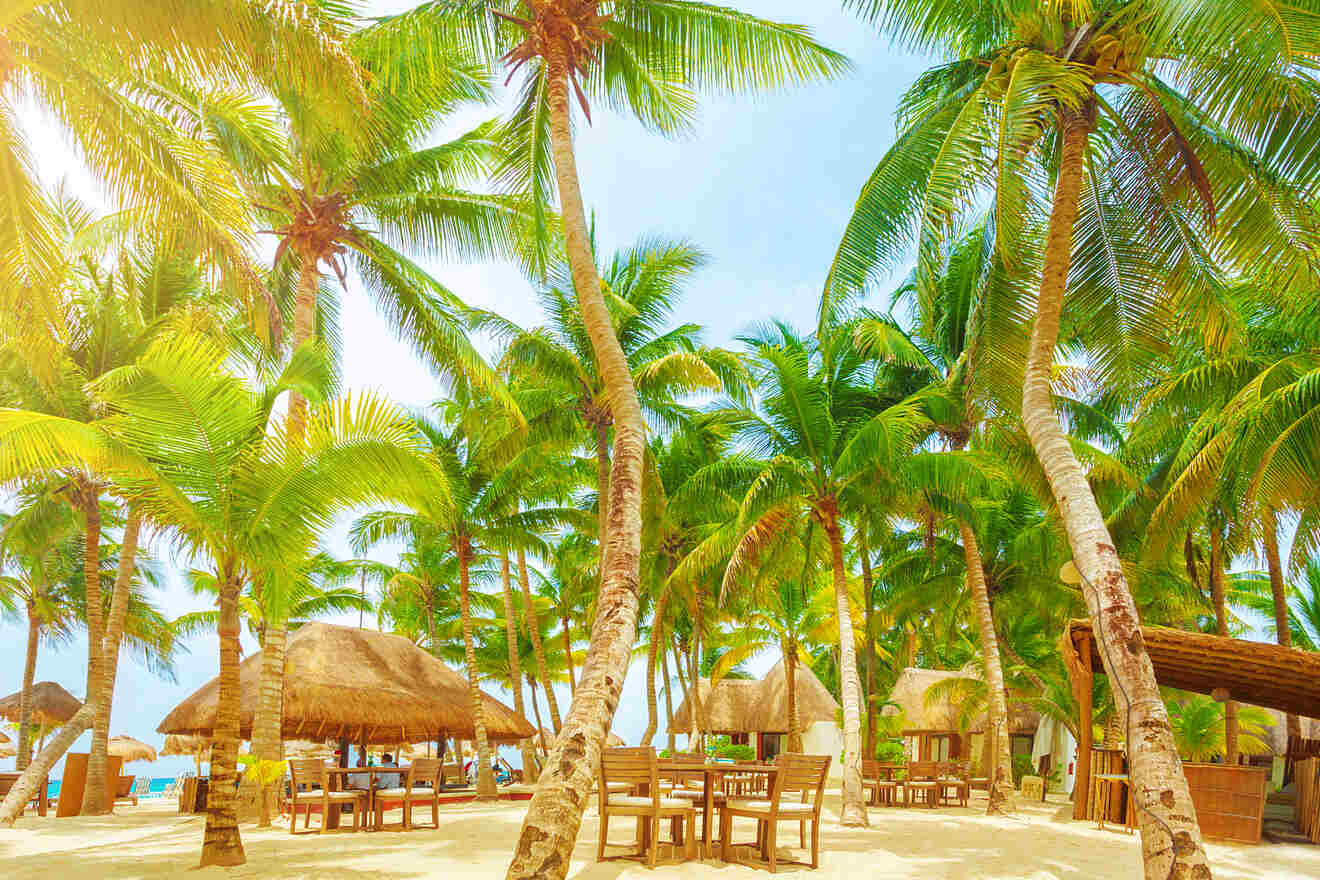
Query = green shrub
x=736 y=753
x=889 y=751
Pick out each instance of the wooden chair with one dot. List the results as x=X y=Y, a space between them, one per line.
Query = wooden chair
x=955 y=782
x=692 y=786
x=126 y=791
x=421 y=786
x=796 y=773
x=310 y=772
x=878 y=779
x=922 y=784
x=637 y=767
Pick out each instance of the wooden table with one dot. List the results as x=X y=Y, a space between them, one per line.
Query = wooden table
x=712 y=775
x=1102 y=783
x=9 y=780
x=333 y=773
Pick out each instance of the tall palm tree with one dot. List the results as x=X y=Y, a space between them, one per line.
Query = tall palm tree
x=821 y=430
x=1150 y=122
x=643 y=55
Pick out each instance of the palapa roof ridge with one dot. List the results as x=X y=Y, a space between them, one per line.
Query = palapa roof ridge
x=909 y=692
x=353 y=683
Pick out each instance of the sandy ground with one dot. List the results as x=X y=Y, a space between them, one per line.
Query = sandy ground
x=152 y=841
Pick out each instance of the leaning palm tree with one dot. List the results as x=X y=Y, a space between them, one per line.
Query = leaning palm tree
x=820 y=433
x=1153 y=124
x=645 y=56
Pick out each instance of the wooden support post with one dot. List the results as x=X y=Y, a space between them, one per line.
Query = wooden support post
x=1082 y=690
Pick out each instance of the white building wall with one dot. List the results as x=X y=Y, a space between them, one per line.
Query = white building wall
x=825 y=738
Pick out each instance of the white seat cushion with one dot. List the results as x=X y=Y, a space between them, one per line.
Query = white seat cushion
x=400 y=792
x=334 y=795
x=624 y=800
x=786 y=808
x=618 y=786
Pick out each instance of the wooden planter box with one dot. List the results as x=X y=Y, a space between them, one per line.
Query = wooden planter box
x=1230 y=800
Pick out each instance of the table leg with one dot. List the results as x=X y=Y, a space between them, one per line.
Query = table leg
x=706 y=801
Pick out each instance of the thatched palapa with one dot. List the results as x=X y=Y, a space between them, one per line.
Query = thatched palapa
x=130 y=749
x=51 y=705
x=360 y=685
x=750 y=706
x=942 y=712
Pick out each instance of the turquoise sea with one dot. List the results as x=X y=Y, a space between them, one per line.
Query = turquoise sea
x=158 y=784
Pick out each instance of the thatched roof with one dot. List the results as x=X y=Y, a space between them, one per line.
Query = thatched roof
x=356 y=684
x=942 y=713
x=176 y=744
x=51 y=704
x=130 y=749
x=1253 y=672
x=1276 y=734
x=749 y=706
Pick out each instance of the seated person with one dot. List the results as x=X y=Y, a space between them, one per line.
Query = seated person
x=388 y=780
x=360 y=781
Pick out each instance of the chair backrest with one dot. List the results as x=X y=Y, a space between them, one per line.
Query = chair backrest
x=697 y=759
x=306 y=773
x=960 y=769
x=801 y=773
x=124 y=786
x=634 y=766
x=923 y=770
x=424 y=771
x=870 y=769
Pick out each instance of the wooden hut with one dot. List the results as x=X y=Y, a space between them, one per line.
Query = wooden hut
x=1229 y=800
x=937 y=728
x=358 y=686
x=755 y=713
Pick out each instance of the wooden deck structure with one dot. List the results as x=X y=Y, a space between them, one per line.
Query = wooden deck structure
x=1251 y=672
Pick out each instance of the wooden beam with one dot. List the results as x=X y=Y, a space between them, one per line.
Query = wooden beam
x=1082 y=689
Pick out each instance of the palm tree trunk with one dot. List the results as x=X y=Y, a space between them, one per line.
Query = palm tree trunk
x=999 y=748
x=110 y=653
x=868 y=587
x=538 y=648
x=267 y=721
x=526 y=747
x=1167 y=817
x=1282 y=625
x=485 y=778
x=25 y=699
x=1217 y=595
x=304 y=319
x=789 y=650
x=428 y=603
x=652 y=652
x=568 y=652
x=94 y=794
x=850 y=688
x=35 y=775
x=536 y=712
x=669 y=701
x=701 y=722
x=221 y=844
x=554 y=816
x=602 y=475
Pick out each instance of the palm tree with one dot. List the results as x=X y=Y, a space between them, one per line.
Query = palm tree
x=643 y=55
x=822 y=430
x=141 y=122
x=227 y=483
x=1095 y=100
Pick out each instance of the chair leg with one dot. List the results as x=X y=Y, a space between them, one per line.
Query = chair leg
x=690 y=841
x=726 y=831
x=604 y=832
x=772 y=832
x=802 y=834
x=815 y=843
x=655 y=841
x=293 y=817
x=435 y=812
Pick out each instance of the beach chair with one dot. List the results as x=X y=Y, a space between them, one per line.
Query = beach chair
x=421 y=786
x=955 y=782
x=303 y=775
x=637 y=767
x=800 y=774
x=126 y=791
x=922 y=784
x=878 y=779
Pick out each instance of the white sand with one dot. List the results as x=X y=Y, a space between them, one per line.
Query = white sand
x=151 y=841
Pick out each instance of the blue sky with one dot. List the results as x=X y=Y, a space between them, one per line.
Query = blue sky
x=764 y=184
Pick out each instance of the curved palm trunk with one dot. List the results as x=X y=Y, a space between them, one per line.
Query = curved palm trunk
x=868 y=693
x=602 y=474
x=95 y=796
x=1217 y=595
x=536 y=712
x=35 y=775
x=554 y=817
x=999 y=747
x=538 y=648
x=1282 y=625
x=568 y=652
x=25 y=699
x=699 y=719
x=485 y=778
x=652 y=652
x=1171 y=839
x=669 y=701
x=526 y=747
x=850 y=687
x=221 y=844
x=789 y=650
x=110 y=649
x=267 y=722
